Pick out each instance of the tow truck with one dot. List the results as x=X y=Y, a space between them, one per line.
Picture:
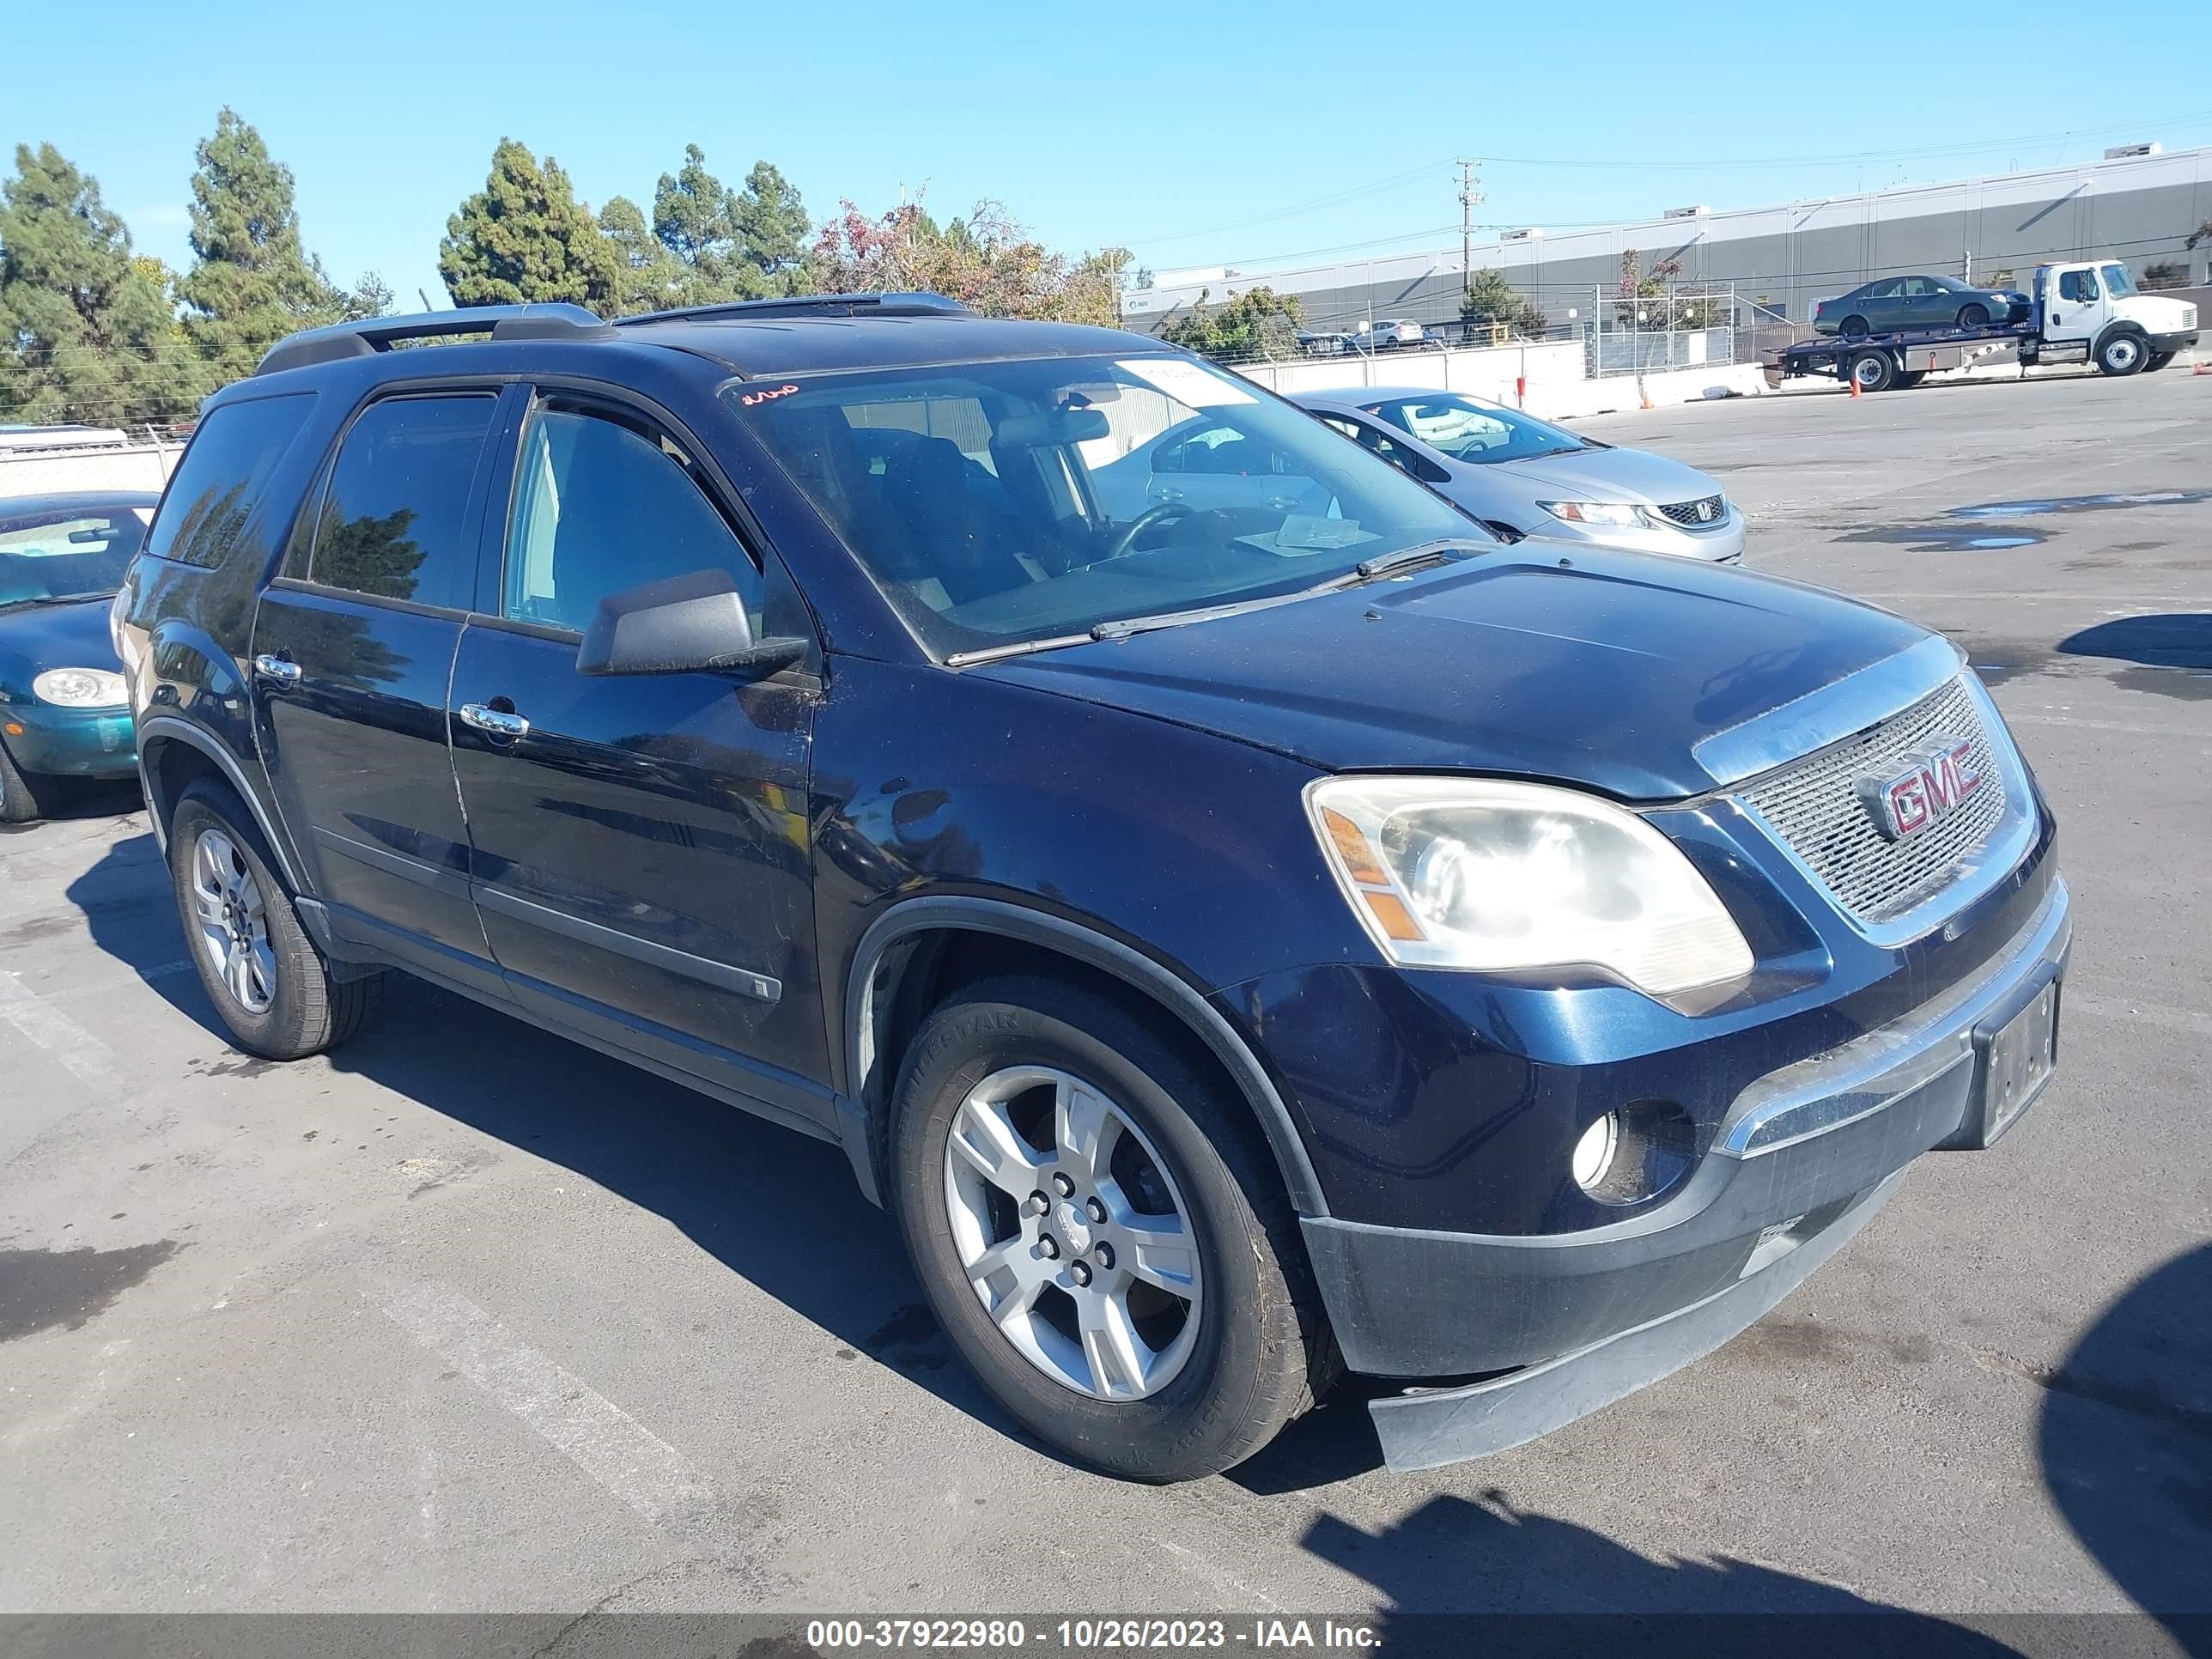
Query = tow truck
x=2082 y=313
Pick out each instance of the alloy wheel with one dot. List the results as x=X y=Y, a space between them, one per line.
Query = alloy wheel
x=1072 y=1232
x=233 y=922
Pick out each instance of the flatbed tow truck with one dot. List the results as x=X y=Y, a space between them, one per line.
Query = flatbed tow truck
x=2089 y=312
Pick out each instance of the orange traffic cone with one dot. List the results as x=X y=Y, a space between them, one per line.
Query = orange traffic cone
x=1854 y=384
x=1643 y=395
x=2200 y=369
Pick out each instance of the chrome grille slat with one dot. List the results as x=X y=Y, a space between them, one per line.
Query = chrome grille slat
x=1813 y=807
x=1686 y=513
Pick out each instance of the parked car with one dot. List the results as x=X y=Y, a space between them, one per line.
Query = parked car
x=1316 y=343
x=1907 y=302
x=1239 y=943
x=1389 y=332
x=1524 y=477
x=62 y=712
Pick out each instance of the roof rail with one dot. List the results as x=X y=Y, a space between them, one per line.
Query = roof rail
x=555 y=321
x=818 y=304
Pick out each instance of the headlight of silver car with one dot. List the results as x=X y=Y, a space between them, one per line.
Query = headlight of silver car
x=1476 y=873
x=1613 y=513
x=79 y=688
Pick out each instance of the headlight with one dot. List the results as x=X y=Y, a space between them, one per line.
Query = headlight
x=1474 y=873
x=1617 y=513
x=79 y=688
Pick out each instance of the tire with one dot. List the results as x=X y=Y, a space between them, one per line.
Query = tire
x=2156 y=360
x=1909 y=379
x=1854 y=328
x=1873 y=371
x=1203 y=1379
x=274 y=992
x=1975 y=316
x=25 y=797
x=2122 y=353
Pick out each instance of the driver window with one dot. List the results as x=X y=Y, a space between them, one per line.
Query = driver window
x=2079 y=286
x=601 y=506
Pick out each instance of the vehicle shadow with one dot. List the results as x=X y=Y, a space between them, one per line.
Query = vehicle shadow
x=2126 y=1443
x=1453 y=1568
x=740 y=1188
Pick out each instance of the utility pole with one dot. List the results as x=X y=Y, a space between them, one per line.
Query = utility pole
x=1468 y=197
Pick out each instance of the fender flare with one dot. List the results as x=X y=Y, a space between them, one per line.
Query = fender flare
x=1094 y=949
x=170 y=728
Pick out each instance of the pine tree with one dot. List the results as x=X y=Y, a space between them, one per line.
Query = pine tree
x=252 y=283
x=87 y=332
x=525 y=237
x=648 y=277
x=694 y=216
x=770 y=225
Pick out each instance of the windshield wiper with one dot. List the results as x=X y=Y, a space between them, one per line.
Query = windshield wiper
x=1367 y=570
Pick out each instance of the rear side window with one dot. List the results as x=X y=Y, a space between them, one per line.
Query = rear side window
x=394 y=522
x=203 y=517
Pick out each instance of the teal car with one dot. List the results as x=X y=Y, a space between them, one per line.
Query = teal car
x=63 y=713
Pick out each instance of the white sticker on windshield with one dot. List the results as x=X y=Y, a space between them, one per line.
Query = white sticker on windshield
x=1186 y=382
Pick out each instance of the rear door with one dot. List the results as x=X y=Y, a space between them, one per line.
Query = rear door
x=353 y=649
x=639 y=844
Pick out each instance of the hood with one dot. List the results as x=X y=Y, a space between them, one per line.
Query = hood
x=1607 y=474
x=2158 y=314
x=1607 y=671
x=34 y=638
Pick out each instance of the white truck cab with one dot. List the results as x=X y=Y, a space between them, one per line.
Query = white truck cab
x=2092 y=312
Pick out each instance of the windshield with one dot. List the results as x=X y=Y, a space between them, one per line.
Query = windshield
x=2117 y=282
x=1469 y=431
x=1001 y=502
x=74 y=552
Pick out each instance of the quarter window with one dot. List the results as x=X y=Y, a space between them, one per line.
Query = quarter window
x=203 y=517
x=603 y=505
x=394 y=521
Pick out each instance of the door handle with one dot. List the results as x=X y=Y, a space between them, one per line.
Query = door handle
x=496 y=722
x=277 y=670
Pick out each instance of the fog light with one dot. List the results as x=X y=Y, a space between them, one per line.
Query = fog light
x=1594 y=1152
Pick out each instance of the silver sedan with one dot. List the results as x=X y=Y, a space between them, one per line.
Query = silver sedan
x=1524 y=477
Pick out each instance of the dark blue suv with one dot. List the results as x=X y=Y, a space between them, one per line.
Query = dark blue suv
x=1245 y=922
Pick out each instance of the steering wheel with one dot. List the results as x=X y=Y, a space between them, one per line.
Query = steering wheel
x=1160 y=512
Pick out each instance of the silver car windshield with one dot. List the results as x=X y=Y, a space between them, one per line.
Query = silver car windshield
x=1000 y=502
x=1469 y=431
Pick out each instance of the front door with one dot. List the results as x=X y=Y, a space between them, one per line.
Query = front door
x=353 y=647
x=639 y=844
x=2078 y=307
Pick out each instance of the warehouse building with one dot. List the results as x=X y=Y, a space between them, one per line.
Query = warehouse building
x=2139 y=205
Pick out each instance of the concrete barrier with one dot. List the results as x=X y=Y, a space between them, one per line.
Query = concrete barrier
x=1545 y=378
x=105 y=466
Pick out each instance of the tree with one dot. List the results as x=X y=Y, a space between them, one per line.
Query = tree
x=648 y=278
x=525 y=237
x=1256 y=324
x=771 y=226
x=2201 y=233
x=1491 y=299
x=252 y=282
x=2166 y=273
x=987 y=261
x=87 y=332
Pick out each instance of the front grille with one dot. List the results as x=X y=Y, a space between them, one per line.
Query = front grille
x=1813 y=806
x=1703 y=515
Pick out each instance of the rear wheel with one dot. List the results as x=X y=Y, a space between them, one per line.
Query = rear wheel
x=1975 y=316
x=1854 y=328
x=1909 y=379
x=1101 y=1232
x=1873 y=371
x=265 y=975
x=2122 y=353
x=25 y=797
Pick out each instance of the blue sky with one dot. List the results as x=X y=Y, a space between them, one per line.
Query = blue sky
x=1197 y=135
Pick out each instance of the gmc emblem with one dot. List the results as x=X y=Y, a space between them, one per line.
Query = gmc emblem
x=1934 y=781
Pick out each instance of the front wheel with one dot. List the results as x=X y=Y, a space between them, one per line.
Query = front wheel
x=1099 y=1228
x=2122 y=353
x=25 y=797
x=267 y=981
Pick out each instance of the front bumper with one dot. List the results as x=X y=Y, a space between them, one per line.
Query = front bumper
x=2181 y=339
x=1719 y=543
x=69 y=743
x=1802 y=1159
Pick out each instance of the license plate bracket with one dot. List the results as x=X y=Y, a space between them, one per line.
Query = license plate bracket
x=2014 y=1062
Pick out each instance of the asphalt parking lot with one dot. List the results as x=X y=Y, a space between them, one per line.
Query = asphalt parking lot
x=465 y=1317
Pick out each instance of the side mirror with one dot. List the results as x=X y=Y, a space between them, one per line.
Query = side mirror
x=685 y=624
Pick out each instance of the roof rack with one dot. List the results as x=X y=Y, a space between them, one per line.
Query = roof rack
x=815 y=305
x=558 y=320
